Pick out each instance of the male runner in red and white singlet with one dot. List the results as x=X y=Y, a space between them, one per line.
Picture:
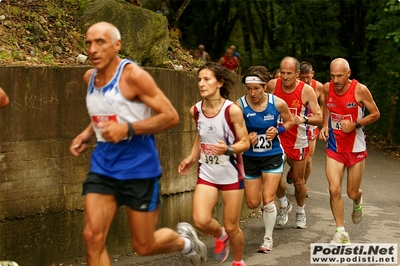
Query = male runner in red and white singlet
x=343 y=128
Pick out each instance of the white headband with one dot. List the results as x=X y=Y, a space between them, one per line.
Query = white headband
x=253 y=79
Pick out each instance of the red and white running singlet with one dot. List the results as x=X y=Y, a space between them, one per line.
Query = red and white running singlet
x=230 y=64
x=296 y=137
x=344 y=107
x=217 y=169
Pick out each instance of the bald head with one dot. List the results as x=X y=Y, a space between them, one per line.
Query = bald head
x=291 y=60
x=340 y=63
x=108 y=28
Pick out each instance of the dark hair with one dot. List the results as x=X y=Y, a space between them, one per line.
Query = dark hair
x=306 y=67
x=276 y=71
x=259 y=71
x=221 y=74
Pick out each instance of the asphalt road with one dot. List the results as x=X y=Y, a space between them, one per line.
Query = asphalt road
x=381 y=222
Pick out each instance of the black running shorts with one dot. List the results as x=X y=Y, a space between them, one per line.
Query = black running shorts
x=139 y=194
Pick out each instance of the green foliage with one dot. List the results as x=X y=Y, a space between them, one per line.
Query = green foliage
x=383 y=31
x=366 y=33
x=16 y=55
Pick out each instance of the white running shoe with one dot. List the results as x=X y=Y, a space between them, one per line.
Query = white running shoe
x=300 y=221
x=341 y=238
x=198 y=254
x=267 y=246
x=8 y=263
x=282 y=215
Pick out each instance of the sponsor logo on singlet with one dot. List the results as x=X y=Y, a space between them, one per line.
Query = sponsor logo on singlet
x=211 y=129
x=351 y=105
x=268 y=117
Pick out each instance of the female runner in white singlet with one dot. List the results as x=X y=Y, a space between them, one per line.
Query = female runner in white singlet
x=220 y=140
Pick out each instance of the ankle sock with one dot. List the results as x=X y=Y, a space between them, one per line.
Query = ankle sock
x=283 y=201
x=223 y=235
x=187 y=247
x=340 y=229
x=301 y=209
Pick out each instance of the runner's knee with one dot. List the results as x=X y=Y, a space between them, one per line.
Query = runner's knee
x=253 y=203
x=93 y=238
x=231 y=228
x=335 y=191
x=201 y=223
x=352 y=194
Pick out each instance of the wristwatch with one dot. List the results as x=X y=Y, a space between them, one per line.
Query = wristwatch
x=358 y=125
x=229 y=152
x=305 y=119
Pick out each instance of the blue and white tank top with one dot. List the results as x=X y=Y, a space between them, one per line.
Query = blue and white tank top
x=217 y=169
x=133 y=158
x=259 y=122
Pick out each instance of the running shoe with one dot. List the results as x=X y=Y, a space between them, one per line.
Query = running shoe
x=198 y=254
x=221 y=250
x=300 y=221
x=289 y=176
x=341 y=238
x=238 y=263
x=358 y=212
x=267 y=246
x=282 y=216
x=8 y=263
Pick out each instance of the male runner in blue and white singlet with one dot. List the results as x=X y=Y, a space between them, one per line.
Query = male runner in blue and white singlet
x=125 y=169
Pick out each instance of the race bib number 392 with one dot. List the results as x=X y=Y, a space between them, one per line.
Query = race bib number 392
x=208 y=157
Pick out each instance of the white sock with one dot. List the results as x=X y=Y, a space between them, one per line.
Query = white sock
x=223 y=235
x=283 y=201
x=340 y=229
x=187 y=247
x=269 y=217
x=301 y=209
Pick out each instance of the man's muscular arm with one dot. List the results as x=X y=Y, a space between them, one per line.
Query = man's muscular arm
x=310 y=99
x=363 y=98
x=323 y=134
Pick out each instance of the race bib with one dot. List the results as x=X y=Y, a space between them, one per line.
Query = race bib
x=336 y=120
x=207 y=156
x=96 y=119
x=262 y=144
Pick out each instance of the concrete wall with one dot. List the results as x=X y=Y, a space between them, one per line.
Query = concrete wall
x=40 y=179
x=47 y=110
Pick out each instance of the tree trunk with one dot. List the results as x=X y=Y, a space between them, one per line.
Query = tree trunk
x=181 y=9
